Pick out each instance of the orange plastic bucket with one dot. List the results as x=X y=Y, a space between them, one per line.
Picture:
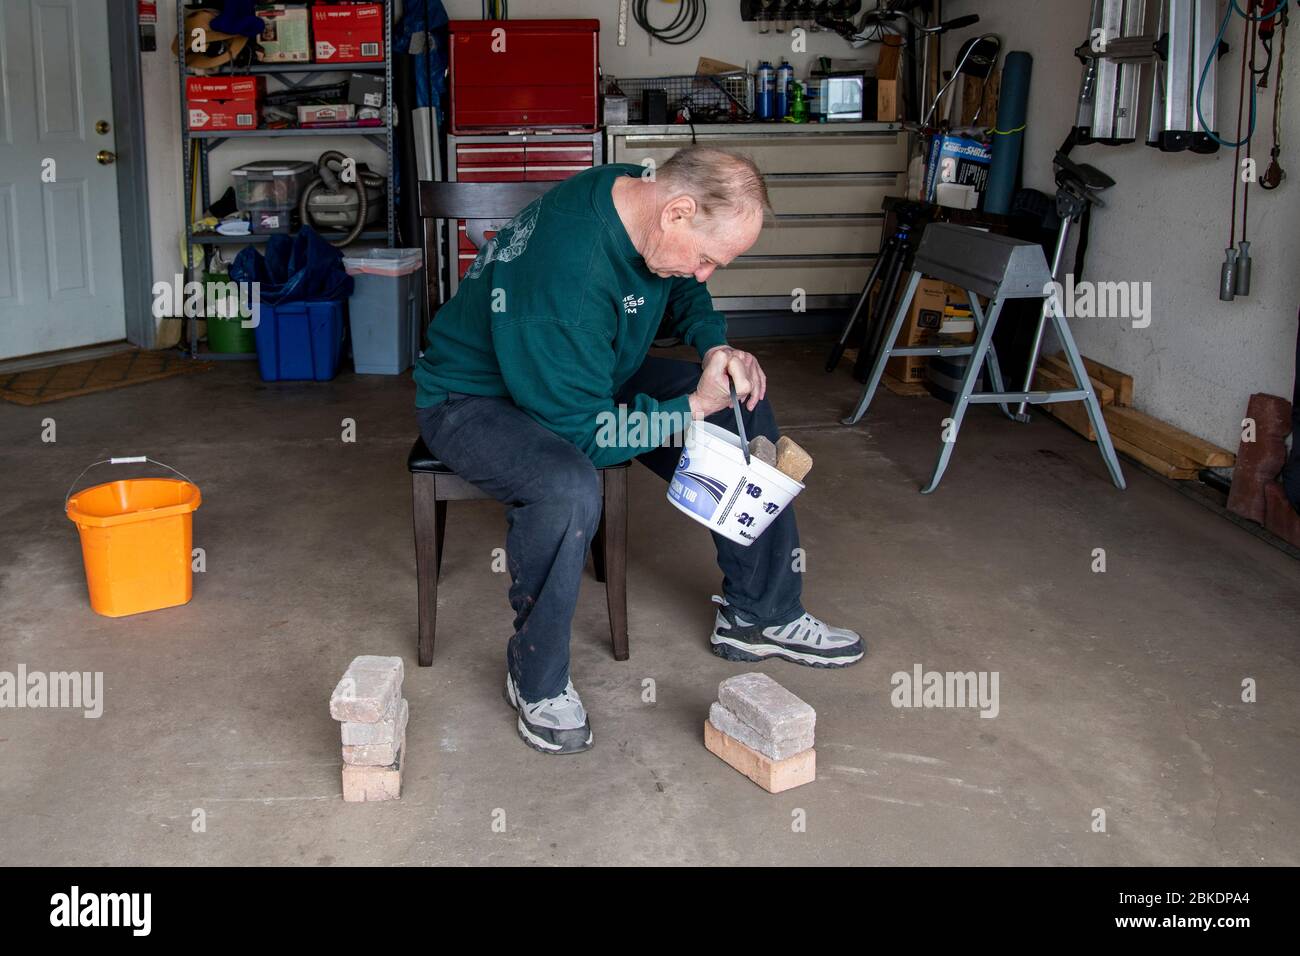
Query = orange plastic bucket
x=136 y=540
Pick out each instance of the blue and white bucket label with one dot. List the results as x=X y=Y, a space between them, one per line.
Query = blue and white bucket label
x=695 y=491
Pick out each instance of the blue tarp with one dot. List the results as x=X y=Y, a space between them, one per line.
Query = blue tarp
x=423 y=35
x=298 y=268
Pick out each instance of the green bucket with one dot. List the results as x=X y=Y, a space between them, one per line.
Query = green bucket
x=228 y=336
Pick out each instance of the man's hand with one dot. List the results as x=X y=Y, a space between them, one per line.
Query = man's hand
x=713 y=393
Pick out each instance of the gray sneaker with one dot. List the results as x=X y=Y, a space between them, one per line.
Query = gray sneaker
x=556 y=725
x=805 y=640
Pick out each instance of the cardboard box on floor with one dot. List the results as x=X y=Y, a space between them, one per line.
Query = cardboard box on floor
x=923 y=321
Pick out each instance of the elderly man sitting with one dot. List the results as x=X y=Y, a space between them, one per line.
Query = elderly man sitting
x=546 y=339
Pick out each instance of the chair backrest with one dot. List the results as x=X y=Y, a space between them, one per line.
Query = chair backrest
x=485 y=207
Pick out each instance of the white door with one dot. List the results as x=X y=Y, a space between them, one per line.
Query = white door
x=60 y=249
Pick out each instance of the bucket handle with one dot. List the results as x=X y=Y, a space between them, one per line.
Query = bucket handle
x=132 y=460
x=740 y=425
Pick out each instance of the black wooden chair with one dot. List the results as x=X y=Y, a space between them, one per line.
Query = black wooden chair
x=486 y=207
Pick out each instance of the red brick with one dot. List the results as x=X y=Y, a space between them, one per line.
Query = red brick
x=772 y=775
x=370 y=784
x=1259 y=462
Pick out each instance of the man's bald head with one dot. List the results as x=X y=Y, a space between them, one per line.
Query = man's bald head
x=724 y=185
x=700 y=210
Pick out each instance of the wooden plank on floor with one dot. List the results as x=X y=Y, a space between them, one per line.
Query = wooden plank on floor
x=1158 y=465
x=1166 y=442
x=1060 y=367
x=1119 y=381
x=1072 y=415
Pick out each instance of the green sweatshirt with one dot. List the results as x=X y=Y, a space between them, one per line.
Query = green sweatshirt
x=557 y=312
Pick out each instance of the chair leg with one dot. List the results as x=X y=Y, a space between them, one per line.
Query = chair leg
x=439 y=528
x=615 y=541
x=428 y=548
x=598 y=549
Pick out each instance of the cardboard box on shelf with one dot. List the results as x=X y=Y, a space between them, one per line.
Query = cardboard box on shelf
x=287 y=35
x=224 y=102
x=332 y=113
x=366 y=89
x=232 y=114
x=224 y=88
x=888 y=71
x=352 y=33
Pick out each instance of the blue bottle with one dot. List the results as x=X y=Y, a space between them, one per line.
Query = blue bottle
x=765 y=81
x=784 y=77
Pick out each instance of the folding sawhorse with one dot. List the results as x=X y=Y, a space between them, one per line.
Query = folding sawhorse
x=998 y=268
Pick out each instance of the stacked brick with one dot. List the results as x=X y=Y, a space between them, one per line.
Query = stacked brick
x=1256 y=492
x=763 y=731
x=373 y=714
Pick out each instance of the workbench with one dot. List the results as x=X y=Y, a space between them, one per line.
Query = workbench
x=826 y=182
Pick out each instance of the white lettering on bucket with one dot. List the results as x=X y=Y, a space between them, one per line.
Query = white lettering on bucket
x=714 y=485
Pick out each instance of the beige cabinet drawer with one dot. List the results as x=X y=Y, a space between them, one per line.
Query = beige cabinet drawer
x=804 y=195
x=778 y=277
x=812 y=153
x=819 y=236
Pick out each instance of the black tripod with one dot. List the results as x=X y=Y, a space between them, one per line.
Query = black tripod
x=894 y=259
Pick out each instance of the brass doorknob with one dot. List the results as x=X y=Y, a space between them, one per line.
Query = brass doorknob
x=104 y=157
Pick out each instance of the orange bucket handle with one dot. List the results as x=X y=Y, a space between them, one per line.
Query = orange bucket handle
x=132 y=460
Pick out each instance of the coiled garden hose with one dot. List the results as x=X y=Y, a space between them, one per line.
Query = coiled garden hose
x=685 y=26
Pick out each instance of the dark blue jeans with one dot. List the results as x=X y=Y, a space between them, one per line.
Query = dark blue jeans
x=554 y=499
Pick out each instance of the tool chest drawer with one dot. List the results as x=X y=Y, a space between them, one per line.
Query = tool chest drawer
x=776 y=276
x=513 y=157
x=819 y=235
x=824 y=195
x=489 y=154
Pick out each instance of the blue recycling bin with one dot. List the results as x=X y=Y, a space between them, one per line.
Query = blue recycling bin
x=300 y=341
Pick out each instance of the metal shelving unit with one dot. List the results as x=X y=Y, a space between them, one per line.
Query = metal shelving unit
x=292 y=75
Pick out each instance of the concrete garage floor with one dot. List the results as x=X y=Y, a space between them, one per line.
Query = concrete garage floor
x=1119 y=691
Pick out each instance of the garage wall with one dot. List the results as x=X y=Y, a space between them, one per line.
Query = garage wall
x=1166 y=221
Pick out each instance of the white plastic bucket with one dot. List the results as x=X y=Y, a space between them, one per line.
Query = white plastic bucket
x=714 y=486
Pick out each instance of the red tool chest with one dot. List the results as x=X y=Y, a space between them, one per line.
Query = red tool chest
x=519 y=157
x=523 y=74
